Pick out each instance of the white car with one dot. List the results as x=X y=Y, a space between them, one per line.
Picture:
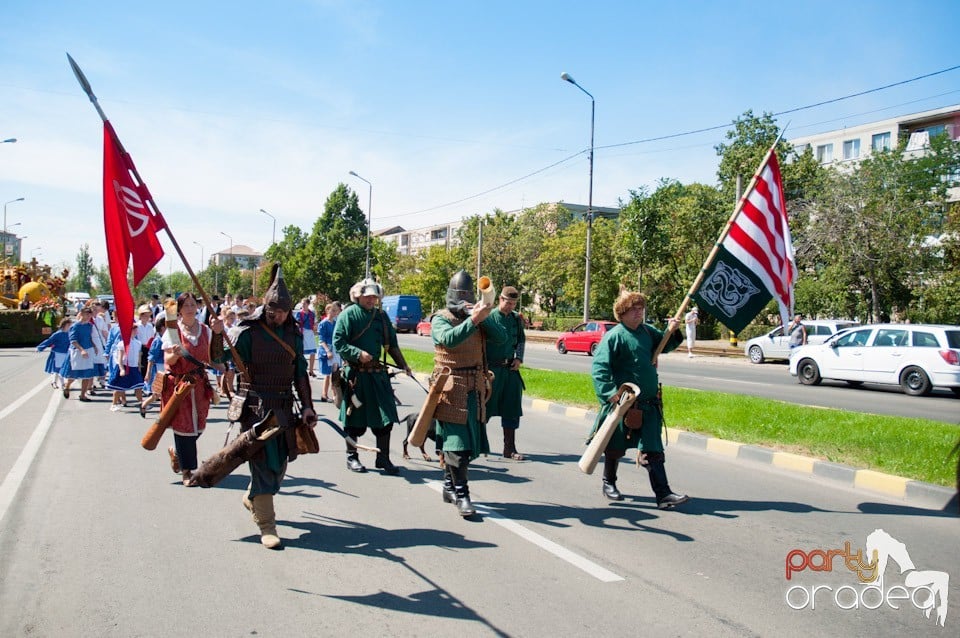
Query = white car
x=776 y=345
x=917 y=357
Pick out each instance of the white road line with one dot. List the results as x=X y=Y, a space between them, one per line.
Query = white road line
x=10 y=409
x=559 y=551
x=11 y=484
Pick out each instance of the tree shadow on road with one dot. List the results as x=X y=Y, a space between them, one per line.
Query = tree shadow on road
x=337 y=536
x=890 y=509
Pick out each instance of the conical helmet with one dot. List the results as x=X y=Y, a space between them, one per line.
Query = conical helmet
x=277 y=297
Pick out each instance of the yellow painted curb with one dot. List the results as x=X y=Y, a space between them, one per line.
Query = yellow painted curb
x=673 y=435
x=576 y=413
x=793 y=462
x=540 y=405
x=726 y=448
x=880 y=482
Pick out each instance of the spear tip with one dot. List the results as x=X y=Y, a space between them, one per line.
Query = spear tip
x=81 y=78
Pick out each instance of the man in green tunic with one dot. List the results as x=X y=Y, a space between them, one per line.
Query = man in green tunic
x=459 y=335
x=505 y=359
x=625 y=355
x=271 y=346
x=362 y=332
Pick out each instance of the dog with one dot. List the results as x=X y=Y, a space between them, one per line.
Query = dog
x=411 y=420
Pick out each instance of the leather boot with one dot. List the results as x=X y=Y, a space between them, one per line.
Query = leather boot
x=266 y=519
x=449 y=494
x=383 y=456
x=462 y=490
x=510 y=445
x=666 y=499
x=610 y=463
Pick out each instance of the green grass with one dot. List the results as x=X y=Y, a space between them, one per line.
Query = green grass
x=909 y=447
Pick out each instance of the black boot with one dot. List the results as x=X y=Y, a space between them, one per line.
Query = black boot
x=449 y=494
x=510 y=445
x=383 y=456
x=610 y=462
x=353 y=461
x=666 y=499
x=462 y=489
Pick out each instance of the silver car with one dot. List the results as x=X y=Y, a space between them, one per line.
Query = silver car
x=776 y=345
x=917 y=357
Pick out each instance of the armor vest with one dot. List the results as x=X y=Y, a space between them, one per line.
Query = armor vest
x=272 y=368
x=467 y=362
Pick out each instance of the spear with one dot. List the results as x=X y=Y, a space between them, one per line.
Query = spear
x=155 y=210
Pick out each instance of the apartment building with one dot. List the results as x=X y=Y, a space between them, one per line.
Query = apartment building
x=244 y=256
x=412 y=241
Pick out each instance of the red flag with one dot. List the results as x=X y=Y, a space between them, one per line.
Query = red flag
x=130 y=225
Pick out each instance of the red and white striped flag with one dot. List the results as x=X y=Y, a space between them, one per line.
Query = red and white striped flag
x=754 y=262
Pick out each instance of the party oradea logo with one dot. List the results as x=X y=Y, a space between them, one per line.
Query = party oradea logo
x=924 y=590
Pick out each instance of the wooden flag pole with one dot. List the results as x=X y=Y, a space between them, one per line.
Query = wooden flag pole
x=82 y=79
x=672 y=326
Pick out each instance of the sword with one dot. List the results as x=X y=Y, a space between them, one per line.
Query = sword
x=350 y=441
x=409 y=375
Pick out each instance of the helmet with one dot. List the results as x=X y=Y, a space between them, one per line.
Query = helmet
x=369 y=287
x=460 y=293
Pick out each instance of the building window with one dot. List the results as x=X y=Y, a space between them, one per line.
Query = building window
x=404 y=240
x=933 y=131
x=851 y=149
x=825 y=153
x=799 y=150
x=880 y=142
x=438 y=233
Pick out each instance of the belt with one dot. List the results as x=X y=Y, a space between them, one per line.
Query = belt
x=501 y=363
x=283 y=394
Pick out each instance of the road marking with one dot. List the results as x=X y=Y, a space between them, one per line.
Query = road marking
x=11 y=484
x=10 y=409
x=559 y=551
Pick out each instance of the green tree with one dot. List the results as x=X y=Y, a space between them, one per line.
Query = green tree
x=83 y=276
x=333 y=258
x=499 y=258
x=749 y=140
x=664 y=239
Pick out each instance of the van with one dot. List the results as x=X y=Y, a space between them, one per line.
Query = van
x=404 y=311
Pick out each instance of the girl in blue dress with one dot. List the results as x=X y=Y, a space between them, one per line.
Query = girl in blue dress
x=59 y=344
x=80 y=356
x=155 y=364
x=124 y=369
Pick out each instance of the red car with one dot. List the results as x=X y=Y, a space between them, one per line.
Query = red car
x=423 y=328
x=584 y=338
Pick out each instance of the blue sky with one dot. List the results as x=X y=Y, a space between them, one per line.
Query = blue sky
x=230 y=107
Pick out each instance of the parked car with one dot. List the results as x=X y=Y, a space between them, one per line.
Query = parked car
x=583 y=338
x=917 y=357
x=404 y=311
x=776 y=345
x=423 y=328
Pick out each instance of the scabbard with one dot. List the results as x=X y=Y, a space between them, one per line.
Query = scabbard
x=236 y=453
x=350 y=441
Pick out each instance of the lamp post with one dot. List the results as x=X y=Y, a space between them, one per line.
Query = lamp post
x=586 y=279
x=369 y=218
x=274 y=236
x=19 y=199
x=231 y=244
x=9 y=140
x=201 y=253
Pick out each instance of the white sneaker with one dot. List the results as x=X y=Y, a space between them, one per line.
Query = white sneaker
x=690 y=355
x=115 y=407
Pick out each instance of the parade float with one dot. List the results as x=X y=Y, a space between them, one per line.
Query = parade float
x=31 y=303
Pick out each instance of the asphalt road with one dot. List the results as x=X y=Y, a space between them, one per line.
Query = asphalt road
x=98 y=537
x=769 y=380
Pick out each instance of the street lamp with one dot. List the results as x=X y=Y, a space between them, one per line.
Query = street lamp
x=369 y=218
x=34 y=251
x=586 y=280
x=231 y=244
x=201 y=253
x=19 y=199
x=274 y=239
x=9 y=140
